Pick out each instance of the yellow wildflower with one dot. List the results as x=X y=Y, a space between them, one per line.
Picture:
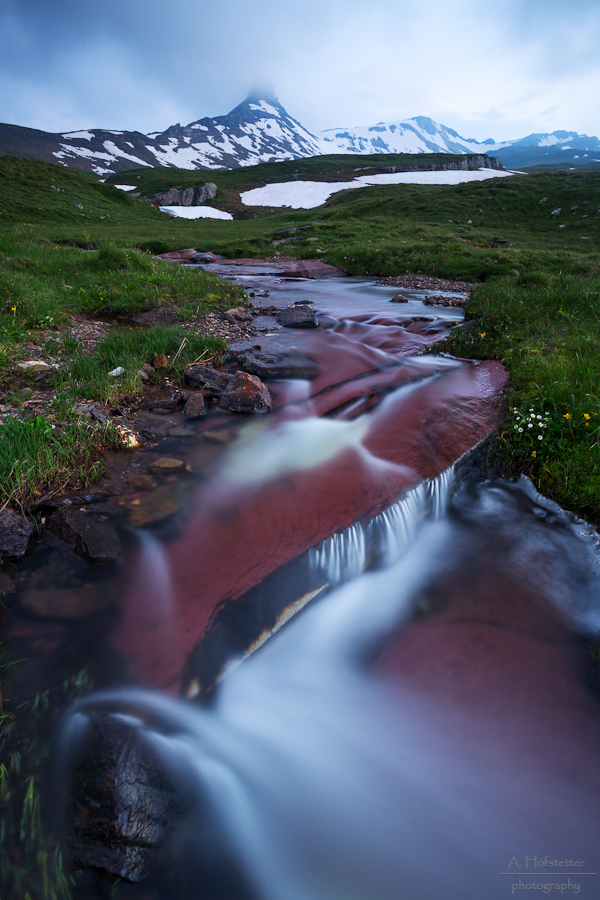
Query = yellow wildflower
x=567 y=416
x=586 y=416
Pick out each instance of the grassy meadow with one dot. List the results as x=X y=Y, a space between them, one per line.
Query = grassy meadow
x=71 y=246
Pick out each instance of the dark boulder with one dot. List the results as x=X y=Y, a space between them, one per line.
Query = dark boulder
x=206 y=378
x=246 y=394
x=278 y=365
x=123 y=805
x=15 y=533
x=297 y=316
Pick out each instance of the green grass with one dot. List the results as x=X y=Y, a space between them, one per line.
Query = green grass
x=129 y=348
x=546 y=330
x=39 y=453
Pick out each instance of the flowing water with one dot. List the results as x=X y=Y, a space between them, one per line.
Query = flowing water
x=389 y=689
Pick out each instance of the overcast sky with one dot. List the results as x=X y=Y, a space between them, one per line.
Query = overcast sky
x=487 y=69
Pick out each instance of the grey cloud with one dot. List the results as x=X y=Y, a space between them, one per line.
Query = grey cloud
x=140 y=64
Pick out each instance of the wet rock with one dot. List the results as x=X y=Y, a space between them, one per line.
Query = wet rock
x=66 y=603
x=160 y=361
x=297 y=316
x=91 y=537
x=195 y=407
x=246 y=394
x=207 y=378
x=15 y=533
x=278 y=365
x=399 y=298
x=266 y=323
x=202 y=258
x=165 y=465
x=123 y=805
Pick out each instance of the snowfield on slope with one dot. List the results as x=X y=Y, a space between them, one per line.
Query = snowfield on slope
x=196 y=212
x=309 y=194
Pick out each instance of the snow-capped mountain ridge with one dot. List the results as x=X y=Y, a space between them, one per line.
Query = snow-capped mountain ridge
x=260 y=130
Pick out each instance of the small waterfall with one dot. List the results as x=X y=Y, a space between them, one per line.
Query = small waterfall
x=342 y=556
x=386 y=537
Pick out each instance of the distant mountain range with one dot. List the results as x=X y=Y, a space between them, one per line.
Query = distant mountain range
x=260 y=130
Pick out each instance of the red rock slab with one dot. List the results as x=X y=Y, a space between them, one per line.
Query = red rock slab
x=495 y=652
x=289 y=268
x=397 y=337
x=236 y=536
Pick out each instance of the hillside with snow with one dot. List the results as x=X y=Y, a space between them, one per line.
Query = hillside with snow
x=258 y=130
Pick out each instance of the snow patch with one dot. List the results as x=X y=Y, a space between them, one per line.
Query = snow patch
x=309 y=194
x=196 y=212
x=125 y=187
x=84 y=135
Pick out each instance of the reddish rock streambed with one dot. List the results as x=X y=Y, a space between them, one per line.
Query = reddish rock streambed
x=421 y=731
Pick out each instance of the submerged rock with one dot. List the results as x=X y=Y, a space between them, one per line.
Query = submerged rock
x=67 y=602
x=287 y=364
x=15 y=532
x=246 y=394
x=91 y=537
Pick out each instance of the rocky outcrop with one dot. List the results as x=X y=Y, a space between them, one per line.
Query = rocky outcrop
x=180 y=196
x=246 y=394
